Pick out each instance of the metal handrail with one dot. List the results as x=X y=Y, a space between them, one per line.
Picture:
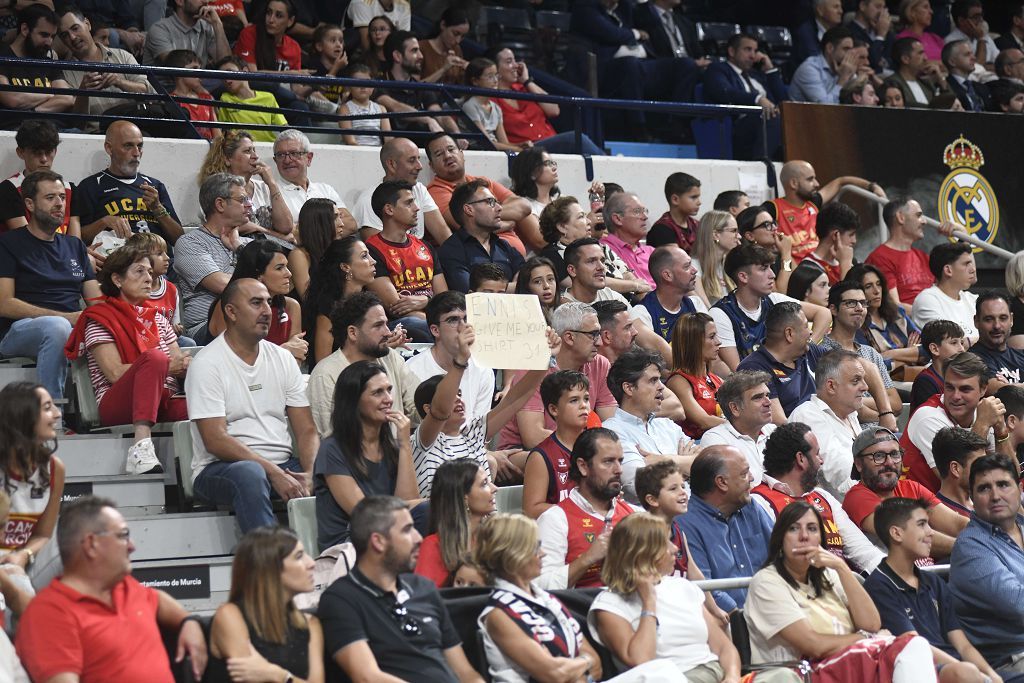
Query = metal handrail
x=961 y=235
x=744 y=582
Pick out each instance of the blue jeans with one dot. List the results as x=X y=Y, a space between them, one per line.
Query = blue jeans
x=565 y=143
x=43 y=339
x=186 y=342
x=244 y=486
x=415 y=328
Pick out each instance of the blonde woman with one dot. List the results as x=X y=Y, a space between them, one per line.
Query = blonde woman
x=1015 y=285
x=716 y=235
x=646 y=614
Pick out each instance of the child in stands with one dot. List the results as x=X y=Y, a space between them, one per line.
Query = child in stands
x=359 y=104
x=192 y=87
x=239 y=92
x=163 y=296
x=942 y=339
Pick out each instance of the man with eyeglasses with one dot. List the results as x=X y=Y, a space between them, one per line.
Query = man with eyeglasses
x=293 y=159
x=96 y=622
x=626 y=219
x=382 y=621
x=121 y=199
x=970 y=25
x=878 y=459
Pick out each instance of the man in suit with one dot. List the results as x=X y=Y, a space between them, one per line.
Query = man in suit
x=959 y=60
x=872 y=24
x=748 y=77
x=807 y=37
x=918 y=79
x=1014 y=38
x=671 y=34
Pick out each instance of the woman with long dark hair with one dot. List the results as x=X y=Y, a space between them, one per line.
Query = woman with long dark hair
x=368 y=453
x=378 y=30
x=537 y=276
x=320 y=223
x=695 y=347
x=887 y=327
x=443 y=61
x=535 y=176
x=809 y=283
x=461 y=497
x=258 y=634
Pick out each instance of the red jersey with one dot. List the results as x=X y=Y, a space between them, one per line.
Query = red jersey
x=832 y=270
x=798 y=222
x=409 y=266
x=860 y=501
x=288 y=54
x=682 y=565
x=557 y=459
x=583 y=529
x=201 y=112
x=704 y=389
x=166 y=303
x=779 y=500
x=915 y=467
x=907 y=271
x=227 y=8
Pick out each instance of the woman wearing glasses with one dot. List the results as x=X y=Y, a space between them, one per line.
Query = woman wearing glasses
x=258 y=634
x=535 y=176
x=757 y=224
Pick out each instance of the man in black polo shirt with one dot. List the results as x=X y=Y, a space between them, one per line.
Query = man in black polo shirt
x=405 y=63
x=382 y=618
x=994 y=321
x=37 y=27
x=478 y=215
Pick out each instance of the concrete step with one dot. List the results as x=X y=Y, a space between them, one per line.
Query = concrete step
x=10 y=372
x=182 y=535
x=92 y=455
x=127 y=490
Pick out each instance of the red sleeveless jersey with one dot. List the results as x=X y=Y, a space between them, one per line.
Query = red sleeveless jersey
x=779 y=500
x=557 y=459
x=583 y=529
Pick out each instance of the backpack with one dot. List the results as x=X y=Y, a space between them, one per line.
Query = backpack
x=333 y=563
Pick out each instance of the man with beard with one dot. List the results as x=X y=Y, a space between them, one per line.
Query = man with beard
x=878 y=459
x=746 y=404
x=574 y=533
x=635 y=381
x=37 y=26
x=959 y=405
x=727 y=533
x=360 y=326
x=792 y=467
x=674 y=279
x=995 y=320
x=194 y=25
x=383 y=620
x=43 y=276
x=244 y=393
x=121 y=199
x=405 y=63
x=37 y=141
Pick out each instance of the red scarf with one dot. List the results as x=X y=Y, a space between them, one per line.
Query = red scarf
x=134 y=330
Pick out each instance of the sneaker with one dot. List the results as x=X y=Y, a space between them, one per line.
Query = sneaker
x=142 y=459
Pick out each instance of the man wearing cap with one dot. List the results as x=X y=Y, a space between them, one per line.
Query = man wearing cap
x=878 y=460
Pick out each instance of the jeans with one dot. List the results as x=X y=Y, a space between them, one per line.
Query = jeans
x=43 y=339
x=565 y=143
x=244 y=486
x=415 y=328
x=186 y=342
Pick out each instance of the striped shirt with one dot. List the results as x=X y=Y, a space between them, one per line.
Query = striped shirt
x=470 y=442
x=96 y=334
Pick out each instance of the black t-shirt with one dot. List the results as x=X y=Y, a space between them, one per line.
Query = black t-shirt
x=40 y=77
x=1007 y=366
x=12 y=205
x=354 y=609
x=332 y=522
x=551 y=252
x=103 y=194
x=420 y=100
x=331 y=92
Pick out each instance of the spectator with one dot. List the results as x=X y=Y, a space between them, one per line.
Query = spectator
x=588 y=281
x=808 y=283
x=476 y=240
x=238 y=91
x=1014 y=37
x=36 y=28
x=994 y=322
x=821 y=76
x=952 y=264
x=366 y=452
x=745 y=401
x=43 y=276
x=733 y=201
x=748 y=77
x=577 y=325
x=293 y=158
x=871 y=24
x=785 y=623
x=319 y=226
x=366 y=629
x=449 y=167
x=909 y=599
x=235 y=152
x=163 y=294
x=892 y=94
x=959 y=60
x=793 y=463
x=727 y=533
x=741 y=315
x=535 y=178
x=206 y=256
x=192 y=87
x=807 y=37
x=261 y=637
x=122 y=632
x=626 y=218
x=635 y=382
x=942 y=339
x=265 y=262
x=360 y=15
x=243 y=452
x=670 y=33
x=121 y=199
x=192 y=25
x=135 y=365
x=970 y=26
x=695 y=347
x=860 y=91
x=405 y=64
x=359 y=104
x=327 y=58
x=123 y=21
x=905 y=267
x=400 y=158
x=1014 y=286
x=916 y=72
x=954 y=450
x=679 y=224
x=526 y=631
x=836 y=228
x=33 y=483
x=36 y=141
x=442 y=53
x=537 y=277
x=264 y=44
x=562 y=222
x=571 y=557
x=526 y=121
x=916 y=16
x=675 y=280
x=379 y=29
x=717 y=235
x=1007 y=98
x=618 y=332
x=887 y=327
x=485 y=113
x=461 y=497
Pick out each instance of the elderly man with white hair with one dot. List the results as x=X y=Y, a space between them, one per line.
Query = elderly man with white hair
x=293 y=158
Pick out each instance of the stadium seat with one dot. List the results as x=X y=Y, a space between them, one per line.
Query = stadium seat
x=182 y=433
x=777 y=40
x=713 y=136
x=503 y=24
x=557 y=20
x=741 y=639
x=509 y=499
x=302 y=520
x=553 y=38
x=89 y=410
x=714 y=35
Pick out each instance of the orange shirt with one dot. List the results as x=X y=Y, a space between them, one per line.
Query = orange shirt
x=441 y=191
x=798 y=222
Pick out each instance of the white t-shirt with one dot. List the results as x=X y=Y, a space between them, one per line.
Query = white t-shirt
x=470 y=442
x=252 y=398
x=724 y=324
x=360 y=12
x=933 y=304
x=682 y=631
x=640 y=312
x=603 y=294
x=366 y=218
x=477 y=385
x=295 y=196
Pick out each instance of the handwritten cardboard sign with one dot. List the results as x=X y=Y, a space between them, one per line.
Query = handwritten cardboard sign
x=510 y=331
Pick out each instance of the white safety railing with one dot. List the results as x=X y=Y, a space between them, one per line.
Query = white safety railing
x=744 y=582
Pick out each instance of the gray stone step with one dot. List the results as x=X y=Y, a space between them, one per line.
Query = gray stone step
x=13 y=373
x=91 y=455
x=128 y=491
x=182 y=535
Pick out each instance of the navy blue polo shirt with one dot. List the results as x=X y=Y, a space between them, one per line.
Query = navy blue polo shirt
x=462 y=251
x=792 y=386
x=927 y=609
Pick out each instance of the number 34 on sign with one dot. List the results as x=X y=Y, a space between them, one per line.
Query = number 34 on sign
x=510 y=331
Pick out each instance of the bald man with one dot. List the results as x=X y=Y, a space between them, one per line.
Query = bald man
x=121 y=199
x=797 y=210
x=400 y=158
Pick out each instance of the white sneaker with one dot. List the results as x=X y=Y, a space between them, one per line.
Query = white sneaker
x=142 y=459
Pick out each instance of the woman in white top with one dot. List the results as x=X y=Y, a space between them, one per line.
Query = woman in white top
x=645 y=613
x=806 y=603
x=716 y=235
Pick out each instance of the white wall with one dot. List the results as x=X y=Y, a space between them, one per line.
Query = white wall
x=352 y=169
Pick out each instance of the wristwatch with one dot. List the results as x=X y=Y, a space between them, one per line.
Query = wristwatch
x=787 y=265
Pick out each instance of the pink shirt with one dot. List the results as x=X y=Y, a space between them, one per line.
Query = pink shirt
x=635 y=258
x=931 y=43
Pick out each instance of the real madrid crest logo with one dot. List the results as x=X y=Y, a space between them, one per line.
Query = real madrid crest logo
x=965 y=196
